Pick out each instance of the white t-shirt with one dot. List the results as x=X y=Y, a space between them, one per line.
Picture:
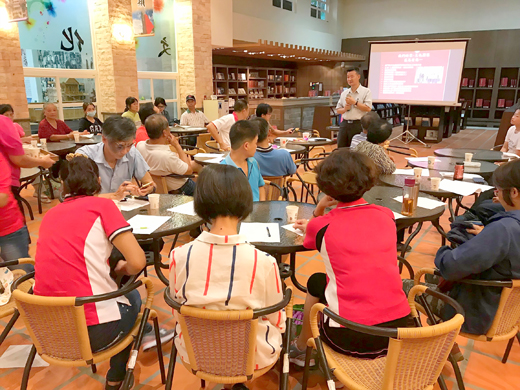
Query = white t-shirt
x=195 y=119
x=223 y=126
x=362 y=95
x=162 y=162
x=512 y=139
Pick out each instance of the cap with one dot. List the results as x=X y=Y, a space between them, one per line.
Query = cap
x=190 y=97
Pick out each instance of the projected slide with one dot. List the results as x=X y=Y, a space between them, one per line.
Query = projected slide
x=428 y=74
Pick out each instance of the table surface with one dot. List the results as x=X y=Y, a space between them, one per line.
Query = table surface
x=188 y=130
x=88 y=141
x=425 y=184
x=447 y=164
x=178 y=223
x=275 y=212
x=478 y=154
x=60 y=148
x=310 y=143
x=26 y=173
x=204 y=160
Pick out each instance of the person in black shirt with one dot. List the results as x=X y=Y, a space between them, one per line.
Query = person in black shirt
x=90 y=122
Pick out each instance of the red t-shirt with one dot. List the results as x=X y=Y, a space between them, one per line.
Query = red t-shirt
x=45 y=129
x=11 y=218
x=358 y=244
x=141 y=135
x=10 y=145
x=73 y=260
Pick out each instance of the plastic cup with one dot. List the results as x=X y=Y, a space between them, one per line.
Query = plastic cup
x=283 y=143
x=417 y=172
x=154 y=200
x=76 y=136
x=43 y=141
x=306 y=136
x=436 y=182
x=431 y=162
x=468 y=157
x=34 y=143
x=292 y=213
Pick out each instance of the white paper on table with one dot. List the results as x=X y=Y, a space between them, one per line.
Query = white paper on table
x=186 y=208
x=16 y=356
x=86 y=135
x=257 y=232
x=291 y=229
x=509 y=155
x=467 y=176
x=288 y=138
x=215 y=160
x=420 y=159
x=398 y=216
x=131 y=204
x=289 y=150
x=146 y=224
x=409 y=172
x=424 y=203
x=462 y=187
x=208 y=155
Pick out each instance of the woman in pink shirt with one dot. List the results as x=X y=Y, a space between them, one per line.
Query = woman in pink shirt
x=51 y=127
x=8 y=111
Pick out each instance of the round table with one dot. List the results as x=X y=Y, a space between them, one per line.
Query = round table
x=478 y=154
x=294 y=149
x=290 y=243
x=178 y=223
x=446 y=164
x=308 y=145
x=88 y=141
x=60 y=148
x=206 y=160
x=188 y=130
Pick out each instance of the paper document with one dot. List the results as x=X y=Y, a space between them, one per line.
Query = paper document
x=146 y=224
x=291 y=229
x=215 y=160
x=86 y=135
x=424 y=203
x=131 y=204
x=208 y=155
x=409 y=172
x=462 y=188
x=186 y=208
x=509 y=155
x=398 y=216
x=260 y=232
x=420 y=159
x=467 y=176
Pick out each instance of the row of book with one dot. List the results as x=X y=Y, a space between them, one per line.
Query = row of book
x=279 y=77
x=506 y=82
x=231 y=76
x=504 y=103
x=482 y=82
x=241 y=91
x=256 y=84
x=422 y=121
x=281 y=89
x=258 y=94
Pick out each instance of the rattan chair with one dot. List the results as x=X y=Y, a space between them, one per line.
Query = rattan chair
x=58 y=329
x=272 y=191
x=221 y=344
x=213 y=145
x=505 y=325
x=415 y=356
x=9 y=309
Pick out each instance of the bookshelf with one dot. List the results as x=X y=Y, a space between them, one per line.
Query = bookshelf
x=488 y=93
x=390 y=112
x=253 y=83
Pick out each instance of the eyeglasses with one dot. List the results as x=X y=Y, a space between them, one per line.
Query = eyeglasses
x=120 y=146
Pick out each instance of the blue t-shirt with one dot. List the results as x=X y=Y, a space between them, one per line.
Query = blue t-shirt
x=254 y=176
x=275 y=162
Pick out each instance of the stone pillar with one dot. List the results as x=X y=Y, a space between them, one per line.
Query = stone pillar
x=194 y=51
x=12 y=85
x=115 y=55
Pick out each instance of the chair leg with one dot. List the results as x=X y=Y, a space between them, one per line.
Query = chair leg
x=202 y=383
x=442 y=383
x=284 y=357
x=305 y=380
x=160 y=355
x=171 y=367
x=508 y=349
x=458 y=374
x=27 y=369
x=9 y=326
x=324 y=365
x=94 y=368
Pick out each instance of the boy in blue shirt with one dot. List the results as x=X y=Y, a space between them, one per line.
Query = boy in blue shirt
x=272 y=162
x=244 y=136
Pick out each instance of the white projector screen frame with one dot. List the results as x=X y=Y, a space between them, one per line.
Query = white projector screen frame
x=451 y=59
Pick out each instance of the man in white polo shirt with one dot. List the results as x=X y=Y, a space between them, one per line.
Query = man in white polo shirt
x=192 y=116
x=220 y=128
x=352 y=105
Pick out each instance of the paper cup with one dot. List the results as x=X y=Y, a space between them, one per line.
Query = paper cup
x=292 y=213
x=76 y=136
x=154 y=200
x=431 y=162
x=417 y=172
x=306 y=136
x=436 y=182
x=34 y=143
x=43 y=141
x=33 y=152
x=468 y=157
x=283 y=142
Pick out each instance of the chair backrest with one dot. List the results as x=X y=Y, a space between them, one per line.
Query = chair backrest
x=202 y=139
x=507 y=319
x=57 y=327
x=160 y=183
x=271 y=191
x=213 y=145
x=219 y=344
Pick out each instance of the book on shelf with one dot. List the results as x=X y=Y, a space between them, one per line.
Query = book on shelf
x=231 y=91
x=435 y=122
x=486 y=103
x=408 y=121
x=471 y=83
x=254 y=75
x=479 y=102
x=482 y=82
x=220 y=76
x=501 y=103
x=464 y=82
x=490 y=83
x=425 y=122
x=231 y=102
x=431 y=135
x=241 y=91
x=285 y=77
x=270 y=77
x=221 y=91
x=514 y=83
x=418 y=121
x=232 y=76
x=509 y=103
x=242 y=76
x=504 y=81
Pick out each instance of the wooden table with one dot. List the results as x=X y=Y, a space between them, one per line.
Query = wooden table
x=478 y=154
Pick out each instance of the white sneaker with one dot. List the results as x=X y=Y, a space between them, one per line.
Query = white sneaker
x=44 y=198
x=149 y=338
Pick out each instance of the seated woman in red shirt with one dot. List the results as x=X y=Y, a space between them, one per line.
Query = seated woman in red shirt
x=357 y=241
x=89 y=227
x=51 y=127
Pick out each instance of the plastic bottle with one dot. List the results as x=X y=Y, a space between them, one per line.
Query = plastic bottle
x=408 y=196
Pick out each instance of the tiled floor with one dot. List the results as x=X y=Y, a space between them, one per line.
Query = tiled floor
x=482 y=368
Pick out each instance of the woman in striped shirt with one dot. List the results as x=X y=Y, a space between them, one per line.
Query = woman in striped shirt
x=220 y=270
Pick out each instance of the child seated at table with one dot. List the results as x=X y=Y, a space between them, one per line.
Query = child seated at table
x=244 y=137
x=226 y=272
x=362 y=283
x=378 y=133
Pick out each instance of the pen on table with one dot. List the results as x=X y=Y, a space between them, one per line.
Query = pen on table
x=268 y=232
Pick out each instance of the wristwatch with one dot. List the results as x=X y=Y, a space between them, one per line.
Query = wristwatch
x=355 y=104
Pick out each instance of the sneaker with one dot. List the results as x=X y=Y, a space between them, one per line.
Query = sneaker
x=297 y=356
x=149 y=341
x=44 y=198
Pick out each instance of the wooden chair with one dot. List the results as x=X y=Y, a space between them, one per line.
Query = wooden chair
x=505 y=325
x=202 y=139
x=58 y=329
x=9 y=309
x=213 y=145
x=221 y=344
x=415 y=356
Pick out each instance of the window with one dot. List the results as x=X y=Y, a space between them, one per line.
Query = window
x=285 y=4
x=319 y=9
x=155 y=84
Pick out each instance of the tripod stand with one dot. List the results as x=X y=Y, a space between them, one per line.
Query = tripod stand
x=407 y=134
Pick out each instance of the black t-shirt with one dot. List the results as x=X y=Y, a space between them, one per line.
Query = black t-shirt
x=93 y=128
